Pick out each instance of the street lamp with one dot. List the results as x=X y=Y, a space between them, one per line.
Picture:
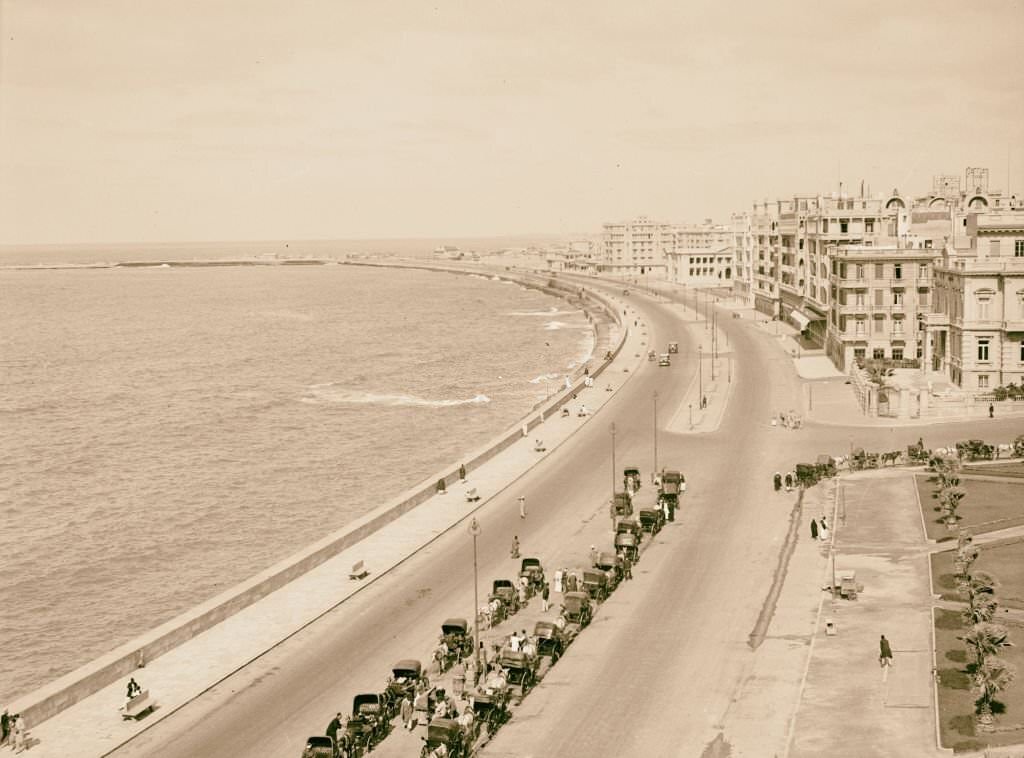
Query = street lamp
x=613 y=460
x=655 y=432
x=474 y=531
x=700 y=370
x=691 y=416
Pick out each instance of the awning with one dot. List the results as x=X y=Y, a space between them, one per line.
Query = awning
x=799 y=319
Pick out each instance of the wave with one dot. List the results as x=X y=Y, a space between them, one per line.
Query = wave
x=544 y=377
x=552 y=311
x=554 y=326
x=329 y=393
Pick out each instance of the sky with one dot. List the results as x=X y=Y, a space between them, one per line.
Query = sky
x=175 y=120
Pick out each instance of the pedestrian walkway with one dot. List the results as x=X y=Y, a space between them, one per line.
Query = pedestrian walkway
x=93 y=726
x=815 y=676
x=707 y=395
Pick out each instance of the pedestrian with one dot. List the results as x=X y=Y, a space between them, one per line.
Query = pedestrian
x=441 y=487
x=823 y=533
x=991 y=411
x=885 y=652
x=5 y=727
x=789 y=482
x=405 y=711
x=593 y=555
x=20 y=733
x=133 y=688
x=777 y=481
x=515 y=546
x=545 y=593
x=814 y=529
x=704 y=401
x=627 y=567
x=462 y=472
x=334 y=727
x=522 y=506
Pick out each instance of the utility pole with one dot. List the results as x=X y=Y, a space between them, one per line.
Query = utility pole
x=474 y=531
x=700 y=371
x=613 y=461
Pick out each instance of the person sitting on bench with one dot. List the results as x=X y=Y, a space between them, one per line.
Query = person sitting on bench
x=133 y=688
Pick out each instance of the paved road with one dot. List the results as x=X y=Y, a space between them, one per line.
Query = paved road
x=656 y=673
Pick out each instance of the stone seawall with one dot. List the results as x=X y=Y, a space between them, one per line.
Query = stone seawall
x=64 y=692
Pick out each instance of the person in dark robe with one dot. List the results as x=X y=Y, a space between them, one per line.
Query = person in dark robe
x=885 y=652
x=814 y=529
x=777 y=481
x=334 y=727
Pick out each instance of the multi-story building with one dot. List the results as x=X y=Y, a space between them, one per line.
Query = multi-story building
x=701 y=255
x=741 y=226
x=636 y=247
x=977 y=328
x=878 y=297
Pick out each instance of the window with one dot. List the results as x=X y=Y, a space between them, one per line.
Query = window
x=879 y=270
x=869 y=226
x=844 y=226
x=897 y=353
x=983 y=349
x=824 y=225
x=993 y=249
x=983 y=303
x=879 y=298
x=880 y=325
x=897 y=326
x=842 y=327
x=1018 y=248
x=859 y=353
x=860 y=270
x=897 y=297
x=897 y=270
x=860 y=327
x=922 y=297
x=1021 y=357
x=878 y=353
x=860 y=299
x=922 y=270
x=982 y=381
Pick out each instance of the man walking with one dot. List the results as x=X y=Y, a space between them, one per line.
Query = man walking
x=545 y=593
x=522 y=506
x=405 y=710
x=991 y=411
x=885 y=652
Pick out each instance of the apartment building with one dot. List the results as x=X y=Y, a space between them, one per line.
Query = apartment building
x=701 y=255
x=878 y=298
x=635 y=248
x=976 y=332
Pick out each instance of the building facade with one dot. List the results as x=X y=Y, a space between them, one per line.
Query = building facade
x=701 y=255
x=635 y=248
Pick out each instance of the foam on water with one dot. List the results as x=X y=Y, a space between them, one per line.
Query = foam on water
x=332 y=393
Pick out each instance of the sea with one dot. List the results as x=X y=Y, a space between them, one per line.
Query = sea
x=167 y=432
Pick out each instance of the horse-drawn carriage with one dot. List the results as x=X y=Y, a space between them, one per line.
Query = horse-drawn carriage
x=611 y=565
x=368 y=724
x=445 y=737
x=507 y=592
x=551 y=641
x=534 y=573
x=454 y=644
x=627 y=545
x=520 y=670
x=917 y=453
x=595 y=584
x=320 y=747
x=975 y=450
x=631 y=479
x=622 y=505
x=406 y=676
x=576 y=608
x=861 y=460
x=651 y=520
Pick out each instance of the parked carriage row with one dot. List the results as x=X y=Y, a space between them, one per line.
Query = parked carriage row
x=517 y=671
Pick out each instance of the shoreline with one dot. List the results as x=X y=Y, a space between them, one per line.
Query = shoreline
x=57 y=695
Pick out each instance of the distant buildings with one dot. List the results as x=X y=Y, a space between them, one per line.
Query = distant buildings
x=935 y=281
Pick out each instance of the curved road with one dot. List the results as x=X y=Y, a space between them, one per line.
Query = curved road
x=655 y=674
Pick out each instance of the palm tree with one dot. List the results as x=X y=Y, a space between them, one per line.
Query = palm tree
x=949 y=501
x=990 y=678
x=980 y=609
x=878 y=374
x=985 y=641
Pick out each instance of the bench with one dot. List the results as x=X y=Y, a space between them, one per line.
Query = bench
x=138 y=706
x=358 y=571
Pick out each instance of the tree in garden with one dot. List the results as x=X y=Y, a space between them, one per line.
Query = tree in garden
x=966 y=555
x=949 y=502
x=985 y=641
x=990 y=678
x=980 y=609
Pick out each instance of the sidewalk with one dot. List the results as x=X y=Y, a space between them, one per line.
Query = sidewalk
x=807 y=690
x=93 y=726
x=689 y=416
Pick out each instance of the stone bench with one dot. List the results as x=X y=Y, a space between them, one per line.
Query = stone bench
x=138 y=706
x=358 y=571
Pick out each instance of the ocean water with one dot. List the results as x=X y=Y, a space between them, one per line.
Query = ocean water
x=168 y=432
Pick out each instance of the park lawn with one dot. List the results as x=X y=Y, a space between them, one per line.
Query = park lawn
x=1012 y=469
x=987 y=506
x=956 y=700
x=1002 y=560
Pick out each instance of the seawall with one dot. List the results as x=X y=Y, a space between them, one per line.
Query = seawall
x=54 y=697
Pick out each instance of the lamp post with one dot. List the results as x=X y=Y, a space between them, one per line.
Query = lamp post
x=613 y=460
x=700 y=370
x=655 y=433
x=691 y=416
x=474 y=531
